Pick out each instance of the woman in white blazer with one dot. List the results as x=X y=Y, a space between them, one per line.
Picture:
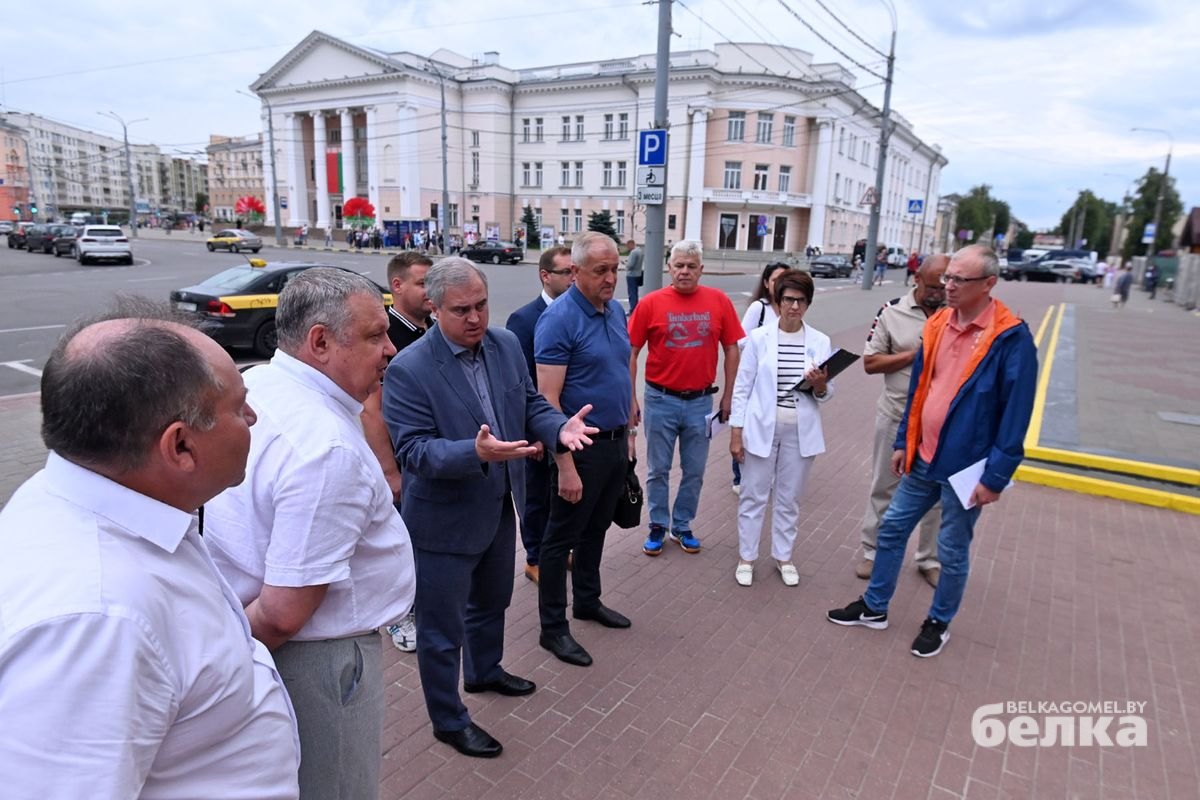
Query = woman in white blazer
x=776 y=428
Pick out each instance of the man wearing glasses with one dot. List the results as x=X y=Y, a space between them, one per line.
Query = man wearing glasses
x=554 y=271
x=891 y=349
x=970 y=399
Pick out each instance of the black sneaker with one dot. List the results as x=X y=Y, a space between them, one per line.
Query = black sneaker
x=858 y=613
x=931 y=639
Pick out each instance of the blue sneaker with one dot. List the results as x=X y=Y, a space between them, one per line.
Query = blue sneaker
x=653 y=545
x=689 y=543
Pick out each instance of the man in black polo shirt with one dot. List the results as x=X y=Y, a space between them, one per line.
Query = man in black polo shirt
x=408 y=319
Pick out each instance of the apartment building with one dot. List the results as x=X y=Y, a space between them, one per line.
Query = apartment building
x=235 y=170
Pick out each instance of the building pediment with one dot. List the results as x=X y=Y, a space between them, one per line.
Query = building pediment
x=321 y=58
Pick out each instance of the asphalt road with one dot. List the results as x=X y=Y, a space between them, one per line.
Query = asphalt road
x=43 y=294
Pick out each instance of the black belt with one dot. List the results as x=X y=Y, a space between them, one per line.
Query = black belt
x=690 y=394
x=615 y=433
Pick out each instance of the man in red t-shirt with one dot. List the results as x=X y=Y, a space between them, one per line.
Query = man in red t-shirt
x=685 y=325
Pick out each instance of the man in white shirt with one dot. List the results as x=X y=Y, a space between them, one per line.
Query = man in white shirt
x=127 y=668
x=310 y=541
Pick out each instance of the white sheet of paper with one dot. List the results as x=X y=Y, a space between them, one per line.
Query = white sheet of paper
x=714 y=424
x=965 y=480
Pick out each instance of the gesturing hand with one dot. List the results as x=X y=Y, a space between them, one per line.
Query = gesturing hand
x=489 y=448
x=574 y=432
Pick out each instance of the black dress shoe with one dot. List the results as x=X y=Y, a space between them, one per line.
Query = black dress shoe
x=565 y=648
x=471 y=741
x=507 y=685
x=604 y=615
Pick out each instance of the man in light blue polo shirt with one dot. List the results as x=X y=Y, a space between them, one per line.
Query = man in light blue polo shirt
x=581 y=347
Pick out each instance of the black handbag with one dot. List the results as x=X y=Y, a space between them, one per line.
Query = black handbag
x=629 y=504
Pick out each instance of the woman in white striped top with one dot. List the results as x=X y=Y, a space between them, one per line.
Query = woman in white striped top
x=776 y=427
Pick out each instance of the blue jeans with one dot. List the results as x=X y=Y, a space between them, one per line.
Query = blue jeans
x=915 y=495
x=668 y=420
x=632 y=283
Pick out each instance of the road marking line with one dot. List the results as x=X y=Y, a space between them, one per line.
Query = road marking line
x=34 y=328
x=147 y=280
x=19 y=366
x=1034 y=433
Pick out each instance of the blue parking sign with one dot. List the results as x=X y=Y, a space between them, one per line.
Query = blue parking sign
x=652 y=148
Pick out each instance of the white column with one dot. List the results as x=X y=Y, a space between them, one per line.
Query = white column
x=320 y=146
x=695 y=167
x=349 y=166
x=268 y=186
x=820 y=183
x=409 y=171
x=373 y=150
x=297 y=173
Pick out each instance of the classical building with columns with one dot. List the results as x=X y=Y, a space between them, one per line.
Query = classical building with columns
x=768 y=150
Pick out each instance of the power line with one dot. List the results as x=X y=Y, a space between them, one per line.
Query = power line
x=837 y=49
x=849 y=30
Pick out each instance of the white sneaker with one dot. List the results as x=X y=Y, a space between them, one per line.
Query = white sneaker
x=404 y=633
x=737 y=489
x=744 y=574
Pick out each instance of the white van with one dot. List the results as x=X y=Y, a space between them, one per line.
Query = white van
x=79 y=218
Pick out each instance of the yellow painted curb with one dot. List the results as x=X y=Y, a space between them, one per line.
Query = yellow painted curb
x=1143 y=469
x=1103 y=488
x=1034 y=432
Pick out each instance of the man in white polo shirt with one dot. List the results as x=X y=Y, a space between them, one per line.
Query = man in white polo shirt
x=310 y=541
x=127 y=668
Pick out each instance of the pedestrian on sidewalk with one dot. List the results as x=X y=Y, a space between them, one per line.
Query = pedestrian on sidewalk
x=881 y=265
x=775 y=427
x=891 y=348
x=1124 y=284
x=969 y=404
x=633 y=273
x=329 y=237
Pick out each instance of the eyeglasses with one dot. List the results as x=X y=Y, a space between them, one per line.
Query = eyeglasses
x=960 y=280
x=791 y=300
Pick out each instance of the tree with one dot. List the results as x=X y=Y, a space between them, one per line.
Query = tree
x=602 y=222
x=980 y=213
x=1024 y=239
x=1143 y=214
x=201 y=202
x=1090 y=219
x=533 y=237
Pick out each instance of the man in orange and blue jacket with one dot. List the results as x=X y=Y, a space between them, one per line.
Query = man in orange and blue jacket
x=969 y=400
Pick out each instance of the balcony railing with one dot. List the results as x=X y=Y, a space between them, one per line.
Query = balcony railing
x=757 y=197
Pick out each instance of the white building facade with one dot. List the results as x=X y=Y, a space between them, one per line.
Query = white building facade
x=768 y=151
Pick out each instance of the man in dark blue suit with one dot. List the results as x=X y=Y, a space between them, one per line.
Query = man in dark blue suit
x=461 y=410
x=554 y=271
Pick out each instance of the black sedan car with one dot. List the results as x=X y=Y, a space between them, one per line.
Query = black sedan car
x=43 y=238
x=238 y=304
x=830 y=267
x=496 y=252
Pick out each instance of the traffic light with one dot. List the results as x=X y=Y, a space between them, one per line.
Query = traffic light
x=33 y=208
x=17 y=211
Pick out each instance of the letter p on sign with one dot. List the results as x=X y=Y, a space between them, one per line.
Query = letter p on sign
x=652 y=148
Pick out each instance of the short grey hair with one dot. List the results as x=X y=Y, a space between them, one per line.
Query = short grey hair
x=688 y=247
x=318 y=296
x=987 y=258
x=449 y=272
x=585 y=243
x=107 y=405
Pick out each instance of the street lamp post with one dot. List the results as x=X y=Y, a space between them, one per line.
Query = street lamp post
x=868 y=277
x=128 y=168
x=274 y=179
x=1162 y=187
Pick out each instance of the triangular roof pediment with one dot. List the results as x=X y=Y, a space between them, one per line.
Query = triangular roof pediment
x=321 y=57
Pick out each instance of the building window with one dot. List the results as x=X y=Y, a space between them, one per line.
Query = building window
x=670 y=222
x=474 y=138
x=474 y=169
x=579 y=127
x=621 y=170
x=452 y=217
x=578 y=174
x=761 y=172
x=537 y=173
x=566 y=173
x=607 y=174
x=766 y=123
x=849 y=197
x=608 y=127
x=733 y=174
x=578 y=220
x=620 y=222
x=789 y=131
x=866 y=152
x=525 y=174
x=785 y=179
x=537 y=129
x=566 y=221
x=737 y=126
x=566 y=129
x=525 y=130
x=837 y=187
x=841 y=141
x=623 y=126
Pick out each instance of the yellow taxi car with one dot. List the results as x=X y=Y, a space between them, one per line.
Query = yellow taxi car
x=238 y=304
x=234 y=240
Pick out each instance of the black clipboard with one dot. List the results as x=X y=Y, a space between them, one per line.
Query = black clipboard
x=835 y=364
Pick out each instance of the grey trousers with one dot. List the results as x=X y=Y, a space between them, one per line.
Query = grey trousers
x=336 y=687
x=883 y=486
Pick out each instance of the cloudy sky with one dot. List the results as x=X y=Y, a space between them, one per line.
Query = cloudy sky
x=1034 y=97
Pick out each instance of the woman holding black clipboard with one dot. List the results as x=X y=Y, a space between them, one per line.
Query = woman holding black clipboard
x=776 y=424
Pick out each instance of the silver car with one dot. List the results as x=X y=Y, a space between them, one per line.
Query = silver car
x=103 y=243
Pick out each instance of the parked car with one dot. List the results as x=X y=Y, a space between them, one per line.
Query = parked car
x=830 y=267
x=103 y=243
x=238 y=305
x=6 y=227
x=16 y=237
x=495 y=252
x=64 y=244
x=897 y=256
x=234 y=240
x=42 y=237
